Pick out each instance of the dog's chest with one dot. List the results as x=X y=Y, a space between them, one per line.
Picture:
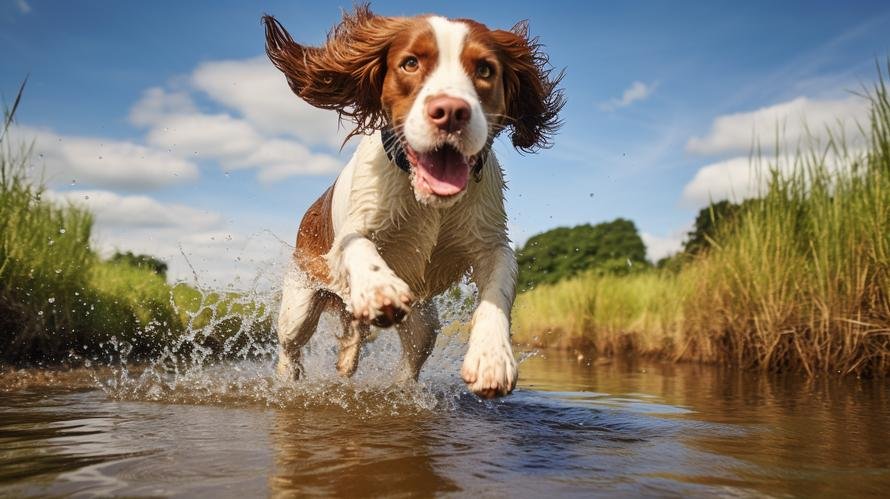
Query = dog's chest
x=430 y=250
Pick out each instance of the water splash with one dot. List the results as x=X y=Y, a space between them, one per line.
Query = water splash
x=236 y=367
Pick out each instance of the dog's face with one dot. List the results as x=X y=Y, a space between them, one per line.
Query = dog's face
x=446 y=87
x=444 y=96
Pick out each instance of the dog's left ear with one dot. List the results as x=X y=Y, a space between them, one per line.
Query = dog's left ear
x=346 y=73
x=532 y=97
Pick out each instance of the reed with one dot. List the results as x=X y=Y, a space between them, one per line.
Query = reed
x=800 y=280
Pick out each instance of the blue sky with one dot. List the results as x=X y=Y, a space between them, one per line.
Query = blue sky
x=164 y=118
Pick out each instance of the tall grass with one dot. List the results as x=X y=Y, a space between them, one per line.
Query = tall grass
x=799 y=281
x=57 y=298
x=613 y=314
x=59 y=301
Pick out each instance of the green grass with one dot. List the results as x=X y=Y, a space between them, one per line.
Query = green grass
x=60 y=302
x=613 y=314
x=800 y=280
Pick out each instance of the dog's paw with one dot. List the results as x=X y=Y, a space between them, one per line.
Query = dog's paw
x=379 y=296
x=489 y=369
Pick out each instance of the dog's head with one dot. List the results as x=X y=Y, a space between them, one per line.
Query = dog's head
x=445 y=87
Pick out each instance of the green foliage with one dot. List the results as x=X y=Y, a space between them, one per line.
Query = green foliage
x=609 y=248
x=706 y=224
x=141 y=261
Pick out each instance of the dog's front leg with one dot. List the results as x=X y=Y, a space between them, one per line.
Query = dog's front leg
x=489 y=368
x=376 y=294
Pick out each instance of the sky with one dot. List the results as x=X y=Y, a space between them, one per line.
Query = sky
x=167 y=121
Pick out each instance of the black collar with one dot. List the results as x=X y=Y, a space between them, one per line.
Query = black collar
x=397 y=156
x=394 y=150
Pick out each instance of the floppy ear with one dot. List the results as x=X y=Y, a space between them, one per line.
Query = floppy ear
x=532 y=97
x=346 y=73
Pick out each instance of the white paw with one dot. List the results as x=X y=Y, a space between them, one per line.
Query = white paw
x=489 y=368
x=379 y=296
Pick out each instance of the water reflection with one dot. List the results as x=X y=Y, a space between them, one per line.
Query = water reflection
x=322 y=455
x=573 y=428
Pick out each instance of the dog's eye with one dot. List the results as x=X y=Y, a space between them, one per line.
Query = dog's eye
x=410 y=64
x=484 y=70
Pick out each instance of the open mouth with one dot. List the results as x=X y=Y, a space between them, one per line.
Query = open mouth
x=443 y=171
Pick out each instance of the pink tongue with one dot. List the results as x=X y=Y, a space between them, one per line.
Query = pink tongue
x=445 y=171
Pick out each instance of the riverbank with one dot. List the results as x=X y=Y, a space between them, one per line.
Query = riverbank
x=799 y=281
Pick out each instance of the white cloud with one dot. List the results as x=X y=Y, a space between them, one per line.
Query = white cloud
x=801 y=123
x=237 y=114
x=745 y=177
x=729 y=179
x=658 y=247
x=637 y=91
x=115 y=210
x=103 y=162
x=23 y=6
x=271 y=128
x=235 y=144
x=218 y=253
x=259 y=92
x=217 y=136
x=790 y=122
x=157 y=104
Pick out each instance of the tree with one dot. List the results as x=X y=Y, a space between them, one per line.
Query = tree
x=609 y=247
x=142 y=261
x=709 y=223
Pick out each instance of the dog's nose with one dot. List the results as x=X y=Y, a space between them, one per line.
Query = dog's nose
x=449 y=114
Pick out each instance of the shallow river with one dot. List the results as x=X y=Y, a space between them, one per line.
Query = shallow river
x=572 y=428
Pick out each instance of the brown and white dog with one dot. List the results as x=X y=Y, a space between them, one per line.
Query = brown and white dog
x=421 y=202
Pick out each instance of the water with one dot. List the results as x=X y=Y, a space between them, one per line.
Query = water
x=572 y=428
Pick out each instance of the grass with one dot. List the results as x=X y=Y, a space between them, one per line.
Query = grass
x=613 y=314
x=800 y=280
x=60 y=302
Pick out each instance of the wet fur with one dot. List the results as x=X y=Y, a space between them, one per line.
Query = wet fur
x=372 y=250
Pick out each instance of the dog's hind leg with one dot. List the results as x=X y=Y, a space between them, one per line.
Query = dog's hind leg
x=301 y=308
x=418 y=337
x=354 y=334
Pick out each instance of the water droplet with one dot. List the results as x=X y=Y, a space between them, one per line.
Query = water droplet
x=40 y=312
x=62 y=230
x=51 y=299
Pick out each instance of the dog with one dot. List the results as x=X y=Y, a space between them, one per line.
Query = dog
x=420 y=204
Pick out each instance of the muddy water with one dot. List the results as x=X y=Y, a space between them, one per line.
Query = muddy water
x=570 y=429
